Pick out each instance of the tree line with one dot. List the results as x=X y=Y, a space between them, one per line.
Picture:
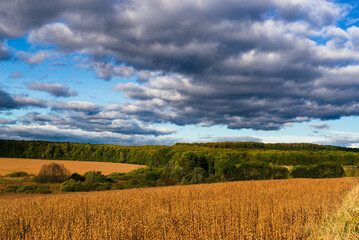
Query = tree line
x=193 y=163
x=205 y=155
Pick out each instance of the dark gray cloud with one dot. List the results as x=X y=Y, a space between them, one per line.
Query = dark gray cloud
x=5 y=53
x=14 y=102
x=57 y=90
x=6 y=101
x=18 y=17
x=243 y=64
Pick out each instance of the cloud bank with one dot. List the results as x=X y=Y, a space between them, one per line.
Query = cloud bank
x=260 y=64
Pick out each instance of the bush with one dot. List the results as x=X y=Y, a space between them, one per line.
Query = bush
x=253 y=171
x=196 y=176
x=117 y=187
x=42 y=190
x=95 y=177
x=327 y=170
x=26 y=189
x=322 y=170
x=116 y=176
x=11 y=189
x=77 y=177
x=103 y=187
x=52 y=173
x=280 y=172
x=214 y=178
x=72 y=186
x=301 y=172
x=17 y=174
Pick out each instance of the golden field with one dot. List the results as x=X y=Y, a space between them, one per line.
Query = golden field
x=271 y=209
x=33 y=166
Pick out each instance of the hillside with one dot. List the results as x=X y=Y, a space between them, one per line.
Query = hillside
x=279 y=209
x=199 y=162
x=207 y=153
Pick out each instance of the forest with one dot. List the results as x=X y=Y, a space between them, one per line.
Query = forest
x=204 y=155
x=185 y=163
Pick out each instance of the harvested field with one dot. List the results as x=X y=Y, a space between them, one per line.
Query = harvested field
x=32 y=166
x=271 y=209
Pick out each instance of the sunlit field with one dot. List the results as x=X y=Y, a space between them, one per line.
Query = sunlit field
x=33 y=166
x=271 y=209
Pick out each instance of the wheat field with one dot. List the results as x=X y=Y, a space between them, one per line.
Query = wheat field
x=272 y=209
x=33 y=166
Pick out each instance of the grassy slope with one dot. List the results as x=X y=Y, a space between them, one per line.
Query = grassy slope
x=345 y=223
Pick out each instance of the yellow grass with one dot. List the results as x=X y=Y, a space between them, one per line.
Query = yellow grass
x=344 y=225
x=273 y=209
x=33 y=166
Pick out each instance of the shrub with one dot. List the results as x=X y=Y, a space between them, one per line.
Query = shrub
x=103 y=187
x=11 y=189
x=253 y=171
x=17 y=174
x=214 y=178
x=42 y=190
x=322 y=170
x=327 y=170
x=95 y=177
x=196 y=176
x=77 y=177
x=26 y=189
x=117 y=187
x=301 y=172
x=280 y=172
x=52 y=173
x=72 y=186
x=116 y=176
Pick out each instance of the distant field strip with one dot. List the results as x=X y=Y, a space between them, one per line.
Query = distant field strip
x=251 y=210
x=9 y=165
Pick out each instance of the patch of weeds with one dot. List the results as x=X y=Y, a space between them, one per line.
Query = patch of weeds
x=17 y=174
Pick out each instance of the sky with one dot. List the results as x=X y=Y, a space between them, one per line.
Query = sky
x=133 y=72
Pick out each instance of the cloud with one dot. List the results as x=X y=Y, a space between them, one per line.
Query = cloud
x=108 y=71
x=17 y=74
x=4 y=121
x=18 y=17
x=35 y=58
x=320 y=126
x=231 y=139
x=29 y=102
x=58 y=64
x=53 y=133
x=79 y=106
x=15 y=102
x=101 y=122
x=353 y=145
x=57 y=90
x=341 y=139
x=5 y=53
x=242 y=64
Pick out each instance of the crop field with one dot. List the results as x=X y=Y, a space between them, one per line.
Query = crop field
x=270 y=209
x=32 y=166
